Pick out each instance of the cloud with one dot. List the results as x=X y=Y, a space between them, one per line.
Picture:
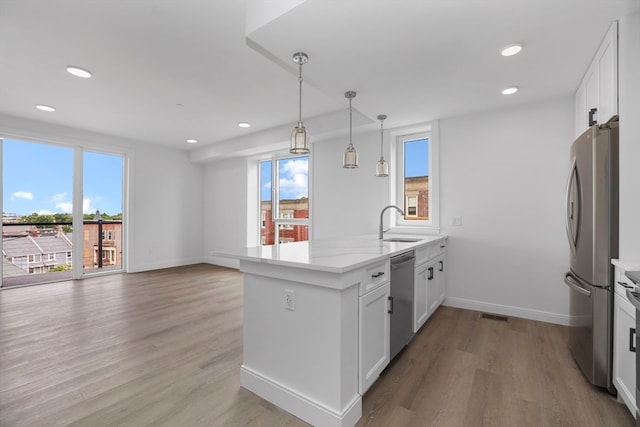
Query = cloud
x=22 y=195
x=86 y=206
x=62 y=203
x=294 y=179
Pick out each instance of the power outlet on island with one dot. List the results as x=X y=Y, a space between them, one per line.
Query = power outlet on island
x=289 y=300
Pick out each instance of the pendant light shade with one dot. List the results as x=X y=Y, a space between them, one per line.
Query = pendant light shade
x=382 y=168
x=299 y=136
x=350 y=157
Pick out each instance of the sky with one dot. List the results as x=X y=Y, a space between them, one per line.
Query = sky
x=39 y=178
x=416 y=158
x=294 y=178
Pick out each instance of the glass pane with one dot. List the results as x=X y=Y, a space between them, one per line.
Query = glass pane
x=293 y=233
x=416 y=179
x=37 y=182
x=293 y=187
x=102 y=211
x=267 y=230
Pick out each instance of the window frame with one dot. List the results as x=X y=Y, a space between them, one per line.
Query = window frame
x=287 y=223
x=398 y=137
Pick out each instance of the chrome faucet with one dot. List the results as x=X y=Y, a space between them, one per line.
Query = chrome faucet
x=380 y=234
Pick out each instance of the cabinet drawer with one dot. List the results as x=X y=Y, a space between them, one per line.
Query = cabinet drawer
x=374 y=275
x=430 y=251
x=621 y=281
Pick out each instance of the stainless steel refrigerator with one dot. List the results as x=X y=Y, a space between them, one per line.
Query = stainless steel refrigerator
x=592 y=230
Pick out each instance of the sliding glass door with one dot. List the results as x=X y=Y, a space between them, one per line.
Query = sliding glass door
x=102 y=212
x=61 y=209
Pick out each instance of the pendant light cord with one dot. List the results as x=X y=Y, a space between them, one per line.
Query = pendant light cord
x=381 y=139
x=300 y=100
x=350 y=123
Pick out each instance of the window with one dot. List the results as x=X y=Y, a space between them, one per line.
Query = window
x=416 y=186
x=284 y=207
x=412 y=205
x=66 y=186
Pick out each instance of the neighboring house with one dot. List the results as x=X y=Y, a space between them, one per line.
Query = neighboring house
x=289 y=209
x=111 y=244
x=39 y=254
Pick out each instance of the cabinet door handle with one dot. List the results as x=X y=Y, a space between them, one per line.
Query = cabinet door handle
x=632 y=333
x=626 y=285
x=378 y=274
x=441 y=265
x=430 y=277
x=390 y=310
x=591 y=113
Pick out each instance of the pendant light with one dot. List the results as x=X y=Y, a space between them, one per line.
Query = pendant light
x=382 y=168
x=350 y=158
x=299 y=136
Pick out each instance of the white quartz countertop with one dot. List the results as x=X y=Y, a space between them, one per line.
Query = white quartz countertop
x=330 y=255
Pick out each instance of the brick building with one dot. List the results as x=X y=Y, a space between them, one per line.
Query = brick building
x=288 y=232
x=416 y=200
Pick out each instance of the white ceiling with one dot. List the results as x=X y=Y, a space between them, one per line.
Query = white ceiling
x=168 y=70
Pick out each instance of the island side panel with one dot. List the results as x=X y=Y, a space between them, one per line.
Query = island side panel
x=311 y=351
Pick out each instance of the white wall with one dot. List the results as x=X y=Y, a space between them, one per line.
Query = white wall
x=165 y=209
x=225 y=197
x=629 y=109
x=347 y=201
x=504 y=172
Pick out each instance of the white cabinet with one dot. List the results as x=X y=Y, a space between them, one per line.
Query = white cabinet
x=596 y=98
x=373 y=326
x=420 y=298
x=441 y=278
x=429 y=281
x=624 y=340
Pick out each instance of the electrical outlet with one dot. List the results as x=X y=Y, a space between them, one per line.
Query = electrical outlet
x=289 y=300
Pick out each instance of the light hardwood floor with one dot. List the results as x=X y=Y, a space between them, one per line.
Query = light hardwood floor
x=164 y=348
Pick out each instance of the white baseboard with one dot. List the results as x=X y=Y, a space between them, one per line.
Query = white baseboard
x=158 y=265
x=224 y=262
x=506 y=310
x=301 y=406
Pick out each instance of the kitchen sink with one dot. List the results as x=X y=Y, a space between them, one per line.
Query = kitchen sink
x=401 y=239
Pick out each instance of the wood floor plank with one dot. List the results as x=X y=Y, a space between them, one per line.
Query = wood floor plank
x=164 y=348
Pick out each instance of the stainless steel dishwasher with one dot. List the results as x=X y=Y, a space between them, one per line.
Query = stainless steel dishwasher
x=401 y=307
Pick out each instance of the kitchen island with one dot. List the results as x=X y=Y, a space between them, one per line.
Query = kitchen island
x=316 y=323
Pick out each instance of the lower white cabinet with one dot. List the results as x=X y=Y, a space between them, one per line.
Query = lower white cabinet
x=430 y=282
x=374 y=335
x=441 y=278
x=624 y=353
x=624 y=339
x=420 y=297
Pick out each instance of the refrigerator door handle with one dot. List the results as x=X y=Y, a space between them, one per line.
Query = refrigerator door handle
x=570 y=214
x=574 y=284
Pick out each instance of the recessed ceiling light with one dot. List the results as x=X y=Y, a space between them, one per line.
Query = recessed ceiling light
x=244 y=124
x=192 y=141
x=47 y=108
x=510 y=90
x=78 y=72
x=511 y=50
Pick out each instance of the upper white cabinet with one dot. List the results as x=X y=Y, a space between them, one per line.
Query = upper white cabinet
x=596 y=99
